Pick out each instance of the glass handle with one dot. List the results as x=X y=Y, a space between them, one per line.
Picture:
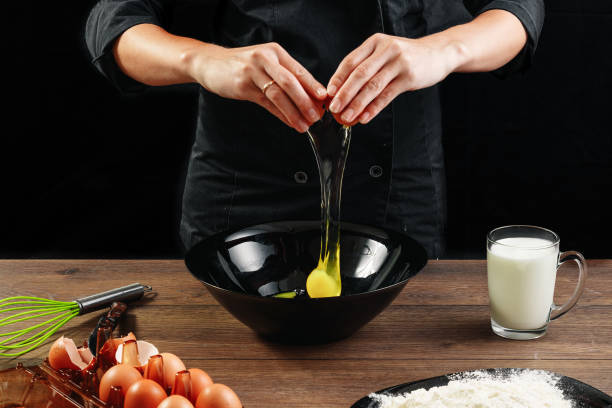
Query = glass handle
x=558 y=311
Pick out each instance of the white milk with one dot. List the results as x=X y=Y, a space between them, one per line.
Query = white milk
x=521 y=281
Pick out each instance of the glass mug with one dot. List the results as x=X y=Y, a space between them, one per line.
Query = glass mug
x=522 y=263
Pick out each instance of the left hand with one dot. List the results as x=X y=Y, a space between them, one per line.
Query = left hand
x=384 y=66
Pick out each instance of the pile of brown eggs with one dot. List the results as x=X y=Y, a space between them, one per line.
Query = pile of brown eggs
x=126 y=373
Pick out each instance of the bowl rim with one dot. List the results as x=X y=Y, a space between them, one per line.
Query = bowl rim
x=228 y=232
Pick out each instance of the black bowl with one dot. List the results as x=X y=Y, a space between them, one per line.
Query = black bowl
x=243 y=269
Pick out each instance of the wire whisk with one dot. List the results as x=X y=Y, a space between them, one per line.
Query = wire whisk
x=14 y=343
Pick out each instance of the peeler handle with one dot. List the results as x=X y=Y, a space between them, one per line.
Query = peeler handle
x=100 y=300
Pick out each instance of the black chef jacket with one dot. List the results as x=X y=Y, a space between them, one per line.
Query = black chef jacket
x=247 y=167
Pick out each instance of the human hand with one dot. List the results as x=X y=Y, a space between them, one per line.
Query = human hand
x=384 y=66
x=265 y=74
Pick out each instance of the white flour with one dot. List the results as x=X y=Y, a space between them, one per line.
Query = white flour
x=520 y=389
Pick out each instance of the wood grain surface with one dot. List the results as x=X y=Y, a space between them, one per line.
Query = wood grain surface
x=439 y=324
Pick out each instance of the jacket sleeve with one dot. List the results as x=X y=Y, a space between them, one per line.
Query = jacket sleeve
x=107 y=20
x=531 y=15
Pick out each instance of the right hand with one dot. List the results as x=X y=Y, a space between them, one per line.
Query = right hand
x=241 y=73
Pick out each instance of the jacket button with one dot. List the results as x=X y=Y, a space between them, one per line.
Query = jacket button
x=376 y=171
x=300 y=177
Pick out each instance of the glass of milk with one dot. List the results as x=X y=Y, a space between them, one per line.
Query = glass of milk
x=522 y=263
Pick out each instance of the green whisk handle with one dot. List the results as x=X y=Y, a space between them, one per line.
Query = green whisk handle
x=101 y=300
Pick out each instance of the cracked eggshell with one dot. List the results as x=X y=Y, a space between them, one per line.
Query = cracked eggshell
x=145 y=351
x=64 y=354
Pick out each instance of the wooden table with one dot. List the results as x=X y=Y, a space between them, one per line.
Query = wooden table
x=439 y=324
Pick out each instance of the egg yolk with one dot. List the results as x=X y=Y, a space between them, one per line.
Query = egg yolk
x=321 y=284
x=286 y=295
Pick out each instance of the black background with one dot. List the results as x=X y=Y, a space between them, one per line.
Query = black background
x=88 y=172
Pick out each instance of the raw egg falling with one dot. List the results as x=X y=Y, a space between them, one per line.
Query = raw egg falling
x=330 y=140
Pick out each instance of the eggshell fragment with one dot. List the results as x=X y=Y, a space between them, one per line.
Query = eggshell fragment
x=145 y=351
x=85 y=354
x=109 y=349
x=218 y=396
x=64 y=354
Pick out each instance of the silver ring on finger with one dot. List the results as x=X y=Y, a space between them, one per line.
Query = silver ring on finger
x=266 y=86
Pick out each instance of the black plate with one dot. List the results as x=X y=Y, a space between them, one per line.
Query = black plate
x=243 y=269
x=583 y=395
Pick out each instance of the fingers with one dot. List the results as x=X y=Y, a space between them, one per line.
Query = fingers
x=279 y=99
x=369 y=91
x=369 y=78
x=292 y=91
x=383 y=99
x=260 y=99
x=308 y=82
x=267 y=75
x=349 y=63
x=292 y=88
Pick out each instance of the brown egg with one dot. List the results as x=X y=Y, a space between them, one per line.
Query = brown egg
x=119 y=375
x=172 y=365
x=144 y=394
x=175 y=401
x=218 y=396
x=199 y=381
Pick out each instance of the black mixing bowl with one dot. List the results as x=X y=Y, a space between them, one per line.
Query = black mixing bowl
x=244 y=269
